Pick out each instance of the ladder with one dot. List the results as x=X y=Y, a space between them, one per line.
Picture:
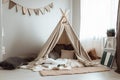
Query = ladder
x=109 y=50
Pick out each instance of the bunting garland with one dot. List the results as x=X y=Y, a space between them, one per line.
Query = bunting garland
x=29 y=11
x=11 y=4
x=5 y=1
x=16 y=8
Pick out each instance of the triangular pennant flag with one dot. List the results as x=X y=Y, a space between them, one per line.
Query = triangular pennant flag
x=11 y=4
x=42 y=11
x=24 y=10
x=29 y=12
x=47 y=8
x=5 y=1
x=36 y=11
x=51 y=5
x=16 y=8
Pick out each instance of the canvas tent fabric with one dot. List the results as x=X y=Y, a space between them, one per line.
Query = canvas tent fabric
x=63 y=34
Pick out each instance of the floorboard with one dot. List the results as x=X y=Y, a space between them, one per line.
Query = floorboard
x=22 y=74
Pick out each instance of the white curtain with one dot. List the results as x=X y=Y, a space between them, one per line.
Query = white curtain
x=96 y=17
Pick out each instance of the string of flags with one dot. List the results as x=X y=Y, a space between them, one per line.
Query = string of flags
x=37 y=11
x=4 y=1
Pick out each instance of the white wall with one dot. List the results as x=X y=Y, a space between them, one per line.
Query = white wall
x=76 y=16
x=0 y=30
x=24 y=34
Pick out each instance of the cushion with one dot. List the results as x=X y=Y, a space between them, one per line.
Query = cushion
x=69 y=47
x=14 y=62
x=93 y=55
x=67 y=54
x=7 y=65
x=11 y=63
x=58 y=48
x=54 y=55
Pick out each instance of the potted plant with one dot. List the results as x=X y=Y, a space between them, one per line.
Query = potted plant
x=111 y=32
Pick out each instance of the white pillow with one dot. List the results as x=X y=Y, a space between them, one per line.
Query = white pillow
x=67 y=54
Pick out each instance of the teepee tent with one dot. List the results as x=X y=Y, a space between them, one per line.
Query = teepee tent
x=63 y=33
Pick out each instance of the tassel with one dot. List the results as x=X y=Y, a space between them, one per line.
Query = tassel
x=11 y=4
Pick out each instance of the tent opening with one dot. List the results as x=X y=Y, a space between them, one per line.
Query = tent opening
x=63 y=48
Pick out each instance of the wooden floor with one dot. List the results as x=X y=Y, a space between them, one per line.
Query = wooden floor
x=21 y=74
